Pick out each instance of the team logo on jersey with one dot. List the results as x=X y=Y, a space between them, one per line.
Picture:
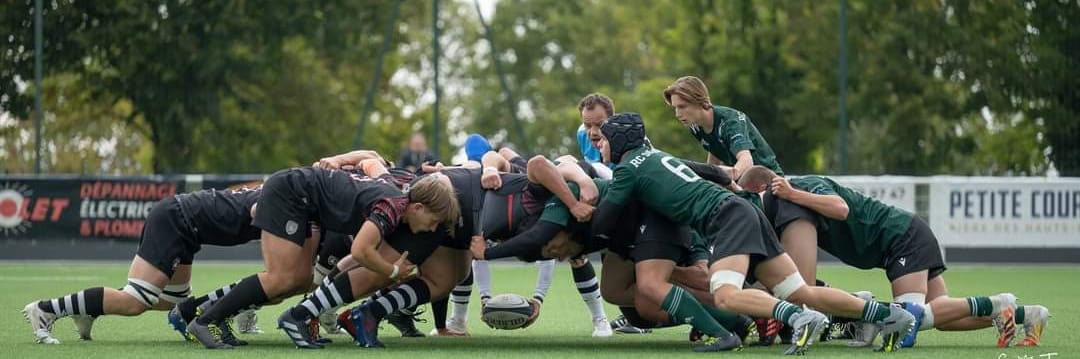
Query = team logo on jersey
x=291 y=226
x=903 y=261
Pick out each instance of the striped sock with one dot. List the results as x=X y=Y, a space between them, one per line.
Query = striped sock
x=873 y=311
x=85 y=302
x=326 y=297
x=589 y=288
x=784 y=310
x=980 y=306
x=408 y=294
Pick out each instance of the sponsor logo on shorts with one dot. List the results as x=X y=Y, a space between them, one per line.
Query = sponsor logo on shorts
x=903 y=261
x=291 y=226
x=642 y=228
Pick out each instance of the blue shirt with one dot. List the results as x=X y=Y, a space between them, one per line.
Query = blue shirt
x=588 y=151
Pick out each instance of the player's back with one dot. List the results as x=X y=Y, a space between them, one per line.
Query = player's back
x=221 y=217
x=665 y=184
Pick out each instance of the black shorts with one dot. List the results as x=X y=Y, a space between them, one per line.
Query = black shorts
x=419 y=245
x=519 y=165
x=657 y=237
x=782 y=213
x=917 y=250
x=737 y=227
x=333 y=247
x=167 y=237
x=284 y=208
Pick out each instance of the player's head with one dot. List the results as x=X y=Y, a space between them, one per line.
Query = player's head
x=561 y=247
x=690 y=98
x=476 y=146
x=594 y=108
x=621 y=133
x=757 y=179
x=431 y=201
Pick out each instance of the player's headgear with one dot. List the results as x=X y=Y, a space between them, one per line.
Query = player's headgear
x=625 y=131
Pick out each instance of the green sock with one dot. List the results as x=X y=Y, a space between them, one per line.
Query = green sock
x=727 y=319
x=873 y=311
x=784 y=310
x=980 y=306
x=681 y=305
x=1019 y=318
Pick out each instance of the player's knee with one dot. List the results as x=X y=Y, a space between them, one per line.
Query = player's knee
x=144 y=295
x=536 y=160
x=176 y=293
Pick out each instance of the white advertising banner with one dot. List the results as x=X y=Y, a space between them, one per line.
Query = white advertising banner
x=897 y=191
x=1005 y=211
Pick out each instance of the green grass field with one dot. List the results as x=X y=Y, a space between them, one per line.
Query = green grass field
x=562 y=331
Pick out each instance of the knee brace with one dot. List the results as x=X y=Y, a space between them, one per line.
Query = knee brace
x=143 y=291
x=726 y=277
x=176 y=293
x=788 y=286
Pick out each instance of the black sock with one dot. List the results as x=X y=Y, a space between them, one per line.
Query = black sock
x=326 y=297
x=89 y=301
x=439 y=309
x=247 y=293
x=187 y=308
x=408 y=294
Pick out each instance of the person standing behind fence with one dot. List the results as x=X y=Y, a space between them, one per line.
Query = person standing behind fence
x=416 y=154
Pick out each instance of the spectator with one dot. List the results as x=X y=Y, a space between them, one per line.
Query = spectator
x=417 y=153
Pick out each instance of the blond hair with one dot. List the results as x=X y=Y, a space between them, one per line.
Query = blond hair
x=439 y=198
x=691 y=89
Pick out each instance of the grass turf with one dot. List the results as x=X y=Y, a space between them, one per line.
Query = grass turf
x=563 y=329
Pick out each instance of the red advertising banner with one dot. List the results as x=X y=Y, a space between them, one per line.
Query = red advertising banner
x=79 y=207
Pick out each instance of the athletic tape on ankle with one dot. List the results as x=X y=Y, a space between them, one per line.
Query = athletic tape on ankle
x=726 y=277
x=911 y=297
x=788 y=286
x=143 y=291
x=927 y=319
x=176 y=293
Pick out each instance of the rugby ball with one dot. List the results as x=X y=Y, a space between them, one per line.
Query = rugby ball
x=507 y=312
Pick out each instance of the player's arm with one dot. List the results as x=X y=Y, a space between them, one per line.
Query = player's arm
x=347 y=159
x=373 y=167
x=611 y=207
x=737 y=134
x=542 y=171
x=743 y=161
x=820 y=198
x=526 y=244
x=712 y=160
x=365 y=251
x=493 y=164
x=572 y=172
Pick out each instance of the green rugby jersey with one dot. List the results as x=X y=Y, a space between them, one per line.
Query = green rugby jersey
x=863 y=239
x=667 y=186
x=733 y=132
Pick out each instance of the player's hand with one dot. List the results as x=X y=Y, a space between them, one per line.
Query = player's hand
x=781 y=188
x=582 y=211
x=330 y=163
x=589 y=193
x=490 y=179
x=426 y=168
x=535 y=304
x=477 y=246
x=404 y=267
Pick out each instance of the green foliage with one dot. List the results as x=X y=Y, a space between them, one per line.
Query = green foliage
x=934 y=87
